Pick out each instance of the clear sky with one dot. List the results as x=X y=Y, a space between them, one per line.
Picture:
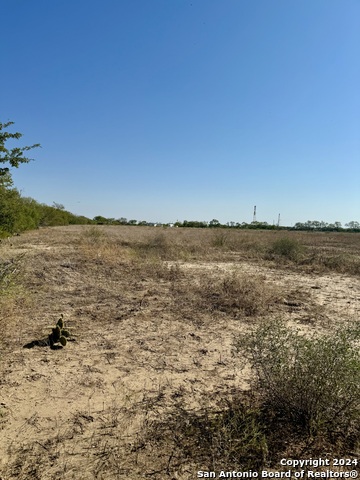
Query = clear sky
x=166 y=110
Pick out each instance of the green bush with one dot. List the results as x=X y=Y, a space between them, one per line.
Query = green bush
x=312 y=384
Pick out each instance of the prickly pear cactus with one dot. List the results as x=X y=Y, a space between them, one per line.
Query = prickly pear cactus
x=59 y=334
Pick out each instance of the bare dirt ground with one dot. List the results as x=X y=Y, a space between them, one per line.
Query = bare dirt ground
x=143 y=341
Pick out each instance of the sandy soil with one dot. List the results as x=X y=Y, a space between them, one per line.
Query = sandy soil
x=68 y=414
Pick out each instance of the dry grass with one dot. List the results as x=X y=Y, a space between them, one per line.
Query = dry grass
x=150 y=387
x=304 y=251
x=232 y=294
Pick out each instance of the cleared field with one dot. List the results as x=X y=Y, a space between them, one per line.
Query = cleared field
x=155 y=315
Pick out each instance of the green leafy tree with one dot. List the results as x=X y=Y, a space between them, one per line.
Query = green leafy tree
x=12 y=157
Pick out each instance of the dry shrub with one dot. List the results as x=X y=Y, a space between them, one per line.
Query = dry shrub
x=168 y=247
x=9 y=272
x=96 y=245
x=285 y=248
x=155 y=268
x=221 y=239
x=13 y=298
x=94 y=234
x=342 y=263
x=235 y=294
x=320 y=256
x=308 y=384
x=156 y=246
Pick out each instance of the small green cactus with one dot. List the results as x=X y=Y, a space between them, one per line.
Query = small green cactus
x=56 y=333
x=60 y=322
x=59 y=334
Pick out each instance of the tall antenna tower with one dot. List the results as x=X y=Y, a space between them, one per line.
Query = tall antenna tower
x=278 y=224
x=254 y=216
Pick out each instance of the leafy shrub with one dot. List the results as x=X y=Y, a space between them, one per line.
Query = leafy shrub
x=312 y=384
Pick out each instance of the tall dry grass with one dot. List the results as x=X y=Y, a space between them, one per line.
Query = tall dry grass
x=305 y=251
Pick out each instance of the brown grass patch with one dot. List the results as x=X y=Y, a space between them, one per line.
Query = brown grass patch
x=233 y=293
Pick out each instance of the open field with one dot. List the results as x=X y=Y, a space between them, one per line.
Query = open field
x=155 y=314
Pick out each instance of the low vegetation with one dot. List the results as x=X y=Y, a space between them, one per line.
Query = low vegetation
x=181 y=362
x=9 y=269
x=233 y=294
x=308 y=384
x=59 y=334
x=301 y=251
x=304 y=400
x=285 y=247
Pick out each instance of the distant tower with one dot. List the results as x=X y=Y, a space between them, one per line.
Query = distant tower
x=254 y=216
x=278 y=224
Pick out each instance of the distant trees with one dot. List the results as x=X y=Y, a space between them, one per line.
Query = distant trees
x=353 y=225
x=319 y=226
x=192 y=224
x=214 y=223
x=310 y=225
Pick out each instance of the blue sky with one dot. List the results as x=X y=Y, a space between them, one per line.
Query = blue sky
x=166 y=110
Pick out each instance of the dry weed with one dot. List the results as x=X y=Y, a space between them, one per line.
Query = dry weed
x=306 y=251
x=234 y=294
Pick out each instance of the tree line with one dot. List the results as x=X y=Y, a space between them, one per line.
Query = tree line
x=18 y=213
x=310 y=225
